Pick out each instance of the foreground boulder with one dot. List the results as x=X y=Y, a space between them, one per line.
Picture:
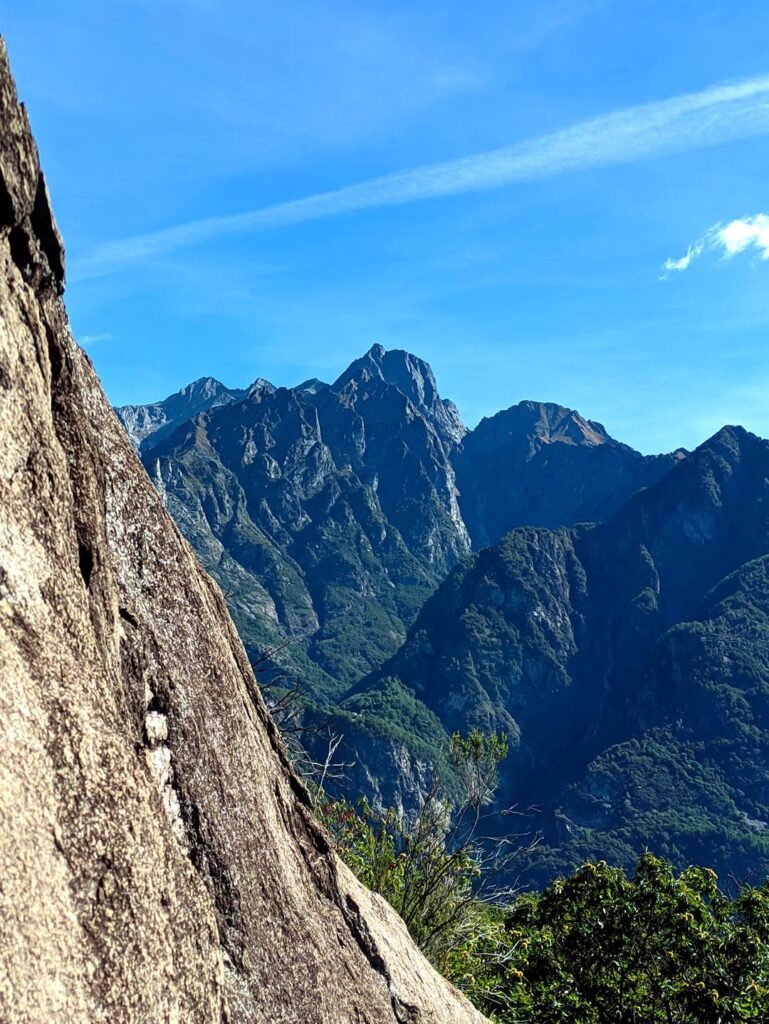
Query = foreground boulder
x=158 y=860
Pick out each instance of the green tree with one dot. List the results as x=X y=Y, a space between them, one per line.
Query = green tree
x=601 y=948
x=433 y=868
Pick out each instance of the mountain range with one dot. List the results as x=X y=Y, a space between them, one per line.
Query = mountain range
x=605 y=609
x=330 y=513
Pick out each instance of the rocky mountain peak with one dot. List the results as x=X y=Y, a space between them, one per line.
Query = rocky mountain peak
x=733 y=439
x=311 y=386
x=541 y=423
x=541 y=464
x=146 y=425
x=731 y=450
x=203 y=388
x=259 y=389
x=412 y=377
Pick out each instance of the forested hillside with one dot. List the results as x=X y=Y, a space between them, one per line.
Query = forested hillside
x=627 y=662
x=625 y=657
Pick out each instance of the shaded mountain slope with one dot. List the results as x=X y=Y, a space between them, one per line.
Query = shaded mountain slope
x=538 y=464
x=328 y=514
x=159 y=861
x=694 y=785
x=605 y=654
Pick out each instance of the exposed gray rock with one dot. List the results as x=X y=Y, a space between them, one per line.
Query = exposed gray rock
x=414 y=378
x=158 y=859
x=148 y=424
x=311 y=386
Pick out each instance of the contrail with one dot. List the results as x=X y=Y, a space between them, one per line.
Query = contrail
x=722 y=113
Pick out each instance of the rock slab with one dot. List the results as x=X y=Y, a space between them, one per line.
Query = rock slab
x=158 y=860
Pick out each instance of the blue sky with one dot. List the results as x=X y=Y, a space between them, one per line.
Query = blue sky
x=256 y=189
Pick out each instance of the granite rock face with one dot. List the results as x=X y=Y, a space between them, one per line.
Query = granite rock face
x=158 y=860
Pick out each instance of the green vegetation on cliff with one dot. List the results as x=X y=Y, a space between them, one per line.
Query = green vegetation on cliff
x=599 y=947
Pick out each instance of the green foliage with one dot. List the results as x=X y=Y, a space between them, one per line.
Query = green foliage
x=667 y=793
x=602 y=948
x=425 y=880
x=392 y=711
x=595 y=948
x=598 y=947
x=429 y=869
x=476 y=759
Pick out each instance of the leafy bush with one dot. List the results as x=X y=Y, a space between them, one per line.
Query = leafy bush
x=430 y=869
x=602 y=948
x=598 y=947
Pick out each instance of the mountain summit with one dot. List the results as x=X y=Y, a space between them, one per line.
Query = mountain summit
x=414 y=378
x=540 y=464
x=159 y=419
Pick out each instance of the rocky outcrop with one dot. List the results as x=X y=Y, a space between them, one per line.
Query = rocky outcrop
x=414 y=378
x=158 y=859
x=148 y=424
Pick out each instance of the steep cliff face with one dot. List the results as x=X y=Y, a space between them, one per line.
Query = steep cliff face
x=158 y=861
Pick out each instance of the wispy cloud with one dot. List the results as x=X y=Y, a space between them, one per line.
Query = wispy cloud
x=553 y=17
x=729 y=239
x=93 y=339
x=716 y=115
